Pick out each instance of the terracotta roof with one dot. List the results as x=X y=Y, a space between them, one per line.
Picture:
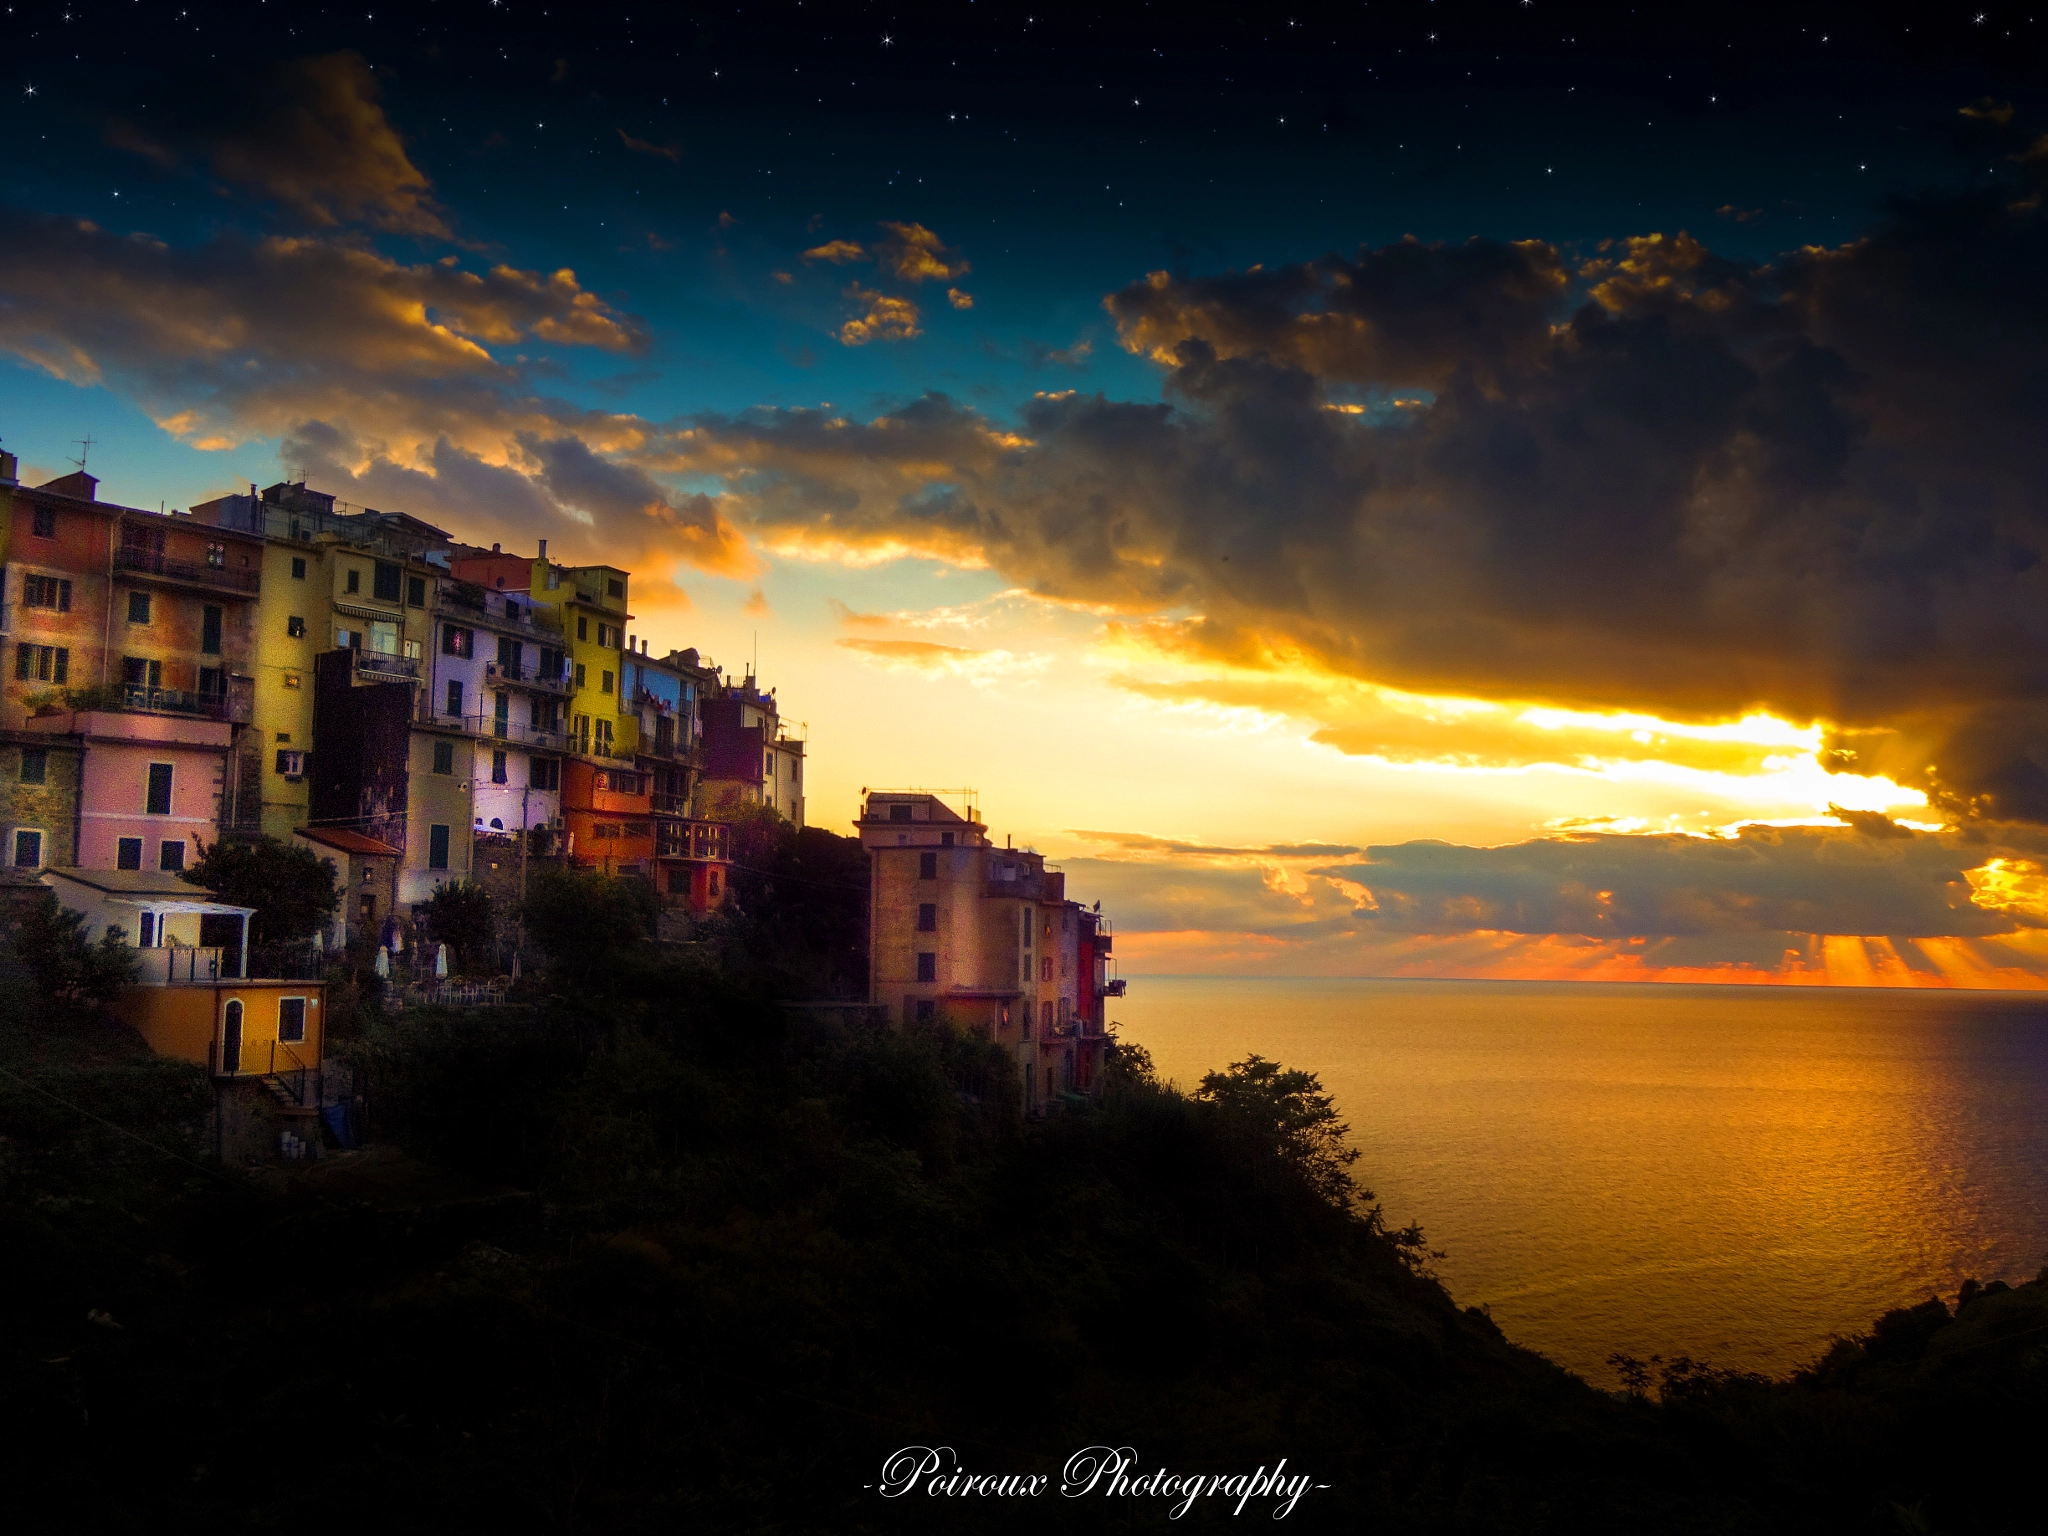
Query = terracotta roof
x=132 y=882
x=345 y=841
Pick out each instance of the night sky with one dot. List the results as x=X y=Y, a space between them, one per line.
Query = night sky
x=1295 y=397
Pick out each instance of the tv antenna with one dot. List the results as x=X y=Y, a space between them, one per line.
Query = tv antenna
x=86 y=444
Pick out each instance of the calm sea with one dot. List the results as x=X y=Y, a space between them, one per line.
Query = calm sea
x=1733 y=1173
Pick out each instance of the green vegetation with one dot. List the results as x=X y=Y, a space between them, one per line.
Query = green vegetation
x=459 y=915
x=291 y=887
x=651 y=1252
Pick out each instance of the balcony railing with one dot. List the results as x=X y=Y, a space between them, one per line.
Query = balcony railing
x=390 y=668
x=671 y=805
x=536 y=737
x=162 y=701
x=149 y=562
x=184 y=963
x=527 y=677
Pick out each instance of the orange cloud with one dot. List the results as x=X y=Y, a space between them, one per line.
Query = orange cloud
x=912 y=254
x=958 y=299
x=886 y=318
x=838 y=252
x=673 y=153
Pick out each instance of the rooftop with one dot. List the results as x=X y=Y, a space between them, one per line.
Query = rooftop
x=344 y=841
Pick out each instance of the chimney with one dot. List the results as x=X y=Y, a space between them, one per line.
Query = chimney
x=496 y=550
x=543 y=549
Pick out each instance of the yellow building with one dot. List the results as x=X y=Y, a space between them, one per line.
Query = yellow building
x=591 y=601
x=332 y=580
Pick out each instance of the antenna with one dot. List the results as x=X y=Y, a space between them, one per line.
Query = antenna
x=86 y=444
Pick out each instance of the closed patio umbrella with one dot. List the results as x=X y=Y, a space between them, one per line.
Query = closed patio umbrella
x=383 y=962
x=441 y=963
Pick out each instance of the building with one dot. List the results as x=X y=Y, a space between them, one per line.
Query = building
x=965 y=934
x=499 y=673
x=41 y=776
x=333 y=579
x=130 y=632
x=366 y=873
x=749 y=759
x=261 y=1039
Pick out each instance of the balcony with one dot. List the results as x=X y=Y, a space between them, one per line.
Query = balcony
x=671 y=805
x=527 y=677
x=537 y=738
x=136 y=698
x=1113 y=988
x=384 y=667
x=199 y=573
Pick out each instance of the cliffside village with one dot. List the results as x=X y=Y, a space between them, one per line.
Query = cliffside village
x=420 y=711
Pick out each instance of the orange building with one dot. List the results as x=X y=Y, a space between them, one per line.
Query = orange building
x=608 y=817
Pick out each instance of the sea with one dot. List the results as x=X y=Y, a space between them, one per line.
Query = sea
x=1736 y=1174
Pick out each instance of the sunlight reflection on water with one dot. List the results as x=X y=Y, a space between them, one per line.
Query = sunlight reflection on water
x=1733 y=1173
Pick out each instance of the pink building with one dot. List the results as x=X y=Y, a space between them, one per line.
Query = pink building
x=151 y=785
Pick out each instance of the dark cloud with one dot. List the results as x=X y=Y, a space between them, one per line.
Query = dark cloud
x=1144 y=842
x=1656 y=478
x=1791 y=879
x=309 y=134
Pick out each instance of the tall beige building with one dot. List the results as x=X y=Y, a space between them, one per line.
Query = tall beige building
x=969 y=935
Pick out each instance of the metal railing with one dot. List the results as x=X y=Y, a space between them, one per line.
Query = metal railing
x=183 y=963
x=530 y=677
x=540 y=738
x=165 y=701
x=404 y=669
x=150 y=562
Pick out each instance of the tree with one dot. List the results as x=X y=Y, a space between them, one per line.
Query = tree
x=459 y=915
x=291 y=887
x=66 y=968
x=585 y=922
x=1288 y=1113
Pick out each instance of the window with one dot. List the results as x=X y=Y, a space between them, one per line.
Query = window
x=1045 y=1017
x=604 y=684
x=604 y=634
x=927 y=917
x=209 y=631
x=544 y=773
x=714 y=882
x=159 y=790
x=945 y=839
x=603 y=737
x=295 y=627
x=298 y=568
x=171 y=855
x=353 y=582
x=35 y=765
x=498 y=768
x=290 y=763
x=128 y=853
x=28 y=849
x=927 y=866
x=141 y=672
x=46 y=522
x=927 y=1010
x=213 y=683
x=291 y=1020
x=46 y=592
x=615 y=587
x=384 y=584
x=138 y=607
x=437 y=847
x=42 y=663
x=796 y=769
x=416 y=591
x=454 y=697
x=1027 y=927
x=582 y=629
x=444 y=757
x=148 y=935
x=768 y=766
x=900 y=811
x=217 y=556
x=1024 y=1013
x=582 y=677
x=927 y=962
x=510 y=654
x=1045 y=967
x=457 y=642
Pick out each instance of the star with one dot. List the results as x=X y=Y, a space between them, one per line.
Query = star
x=888 y=41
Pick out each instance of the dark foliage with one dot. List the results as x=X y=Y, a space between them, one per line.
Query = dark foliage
x=459 y=915
x=291 y=887
x=586 y=924
x=798 y=905
x=65 y=971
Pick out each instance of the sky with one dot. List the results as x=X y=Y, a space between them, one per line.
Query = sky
x=1513 y=489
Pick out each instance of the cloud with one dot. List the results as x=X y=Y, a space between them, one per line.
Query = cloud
x=410 y=385
x=911 y=254
x=309 y=134
x=1146 y=843
x=756 y=605
x=926 y=659
x=1769 y=879
x=958 y=299
x=851 y=620
x=673 y=153
x=838 y=252
x=884 y=318
x=1658 y=481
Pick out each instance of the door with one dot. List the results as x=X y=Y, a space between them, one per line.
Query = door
x=501 y=712
x=231 y=1039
